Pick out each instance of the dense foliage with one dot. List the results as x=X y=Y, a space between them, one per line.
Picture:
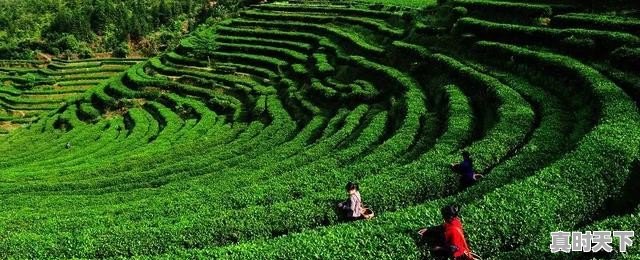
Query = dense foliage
x=82 y=28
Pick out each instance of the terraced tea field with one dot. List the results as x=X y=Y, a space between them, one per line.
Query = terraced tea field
x=237 y=144
x=32 y=88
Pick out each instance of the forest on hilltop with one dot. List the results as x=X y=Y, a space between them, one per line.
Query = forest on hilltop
x=84 y=28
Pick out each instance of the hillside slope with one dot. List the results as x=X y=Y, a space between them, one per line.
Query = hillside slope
x=238 y=143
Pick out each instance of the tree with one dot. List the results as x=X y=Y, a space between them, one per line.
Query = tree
x=113 y=36
x=71 y=21
x=121 y=51
x=164 y=13
x=100 y=16
x=203 y=42
x=67 y=42
x=187 y=6
x=138 y=25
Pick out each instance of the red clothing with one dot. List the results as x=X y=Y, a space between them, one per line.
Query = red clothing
x=454 y=236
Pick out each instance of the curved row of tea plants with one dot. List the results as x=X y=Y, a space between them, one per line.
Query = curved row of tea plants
x=31 y=88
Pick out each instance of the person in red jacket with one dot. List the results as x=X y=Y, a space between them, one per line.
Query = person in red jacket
x=453 y=241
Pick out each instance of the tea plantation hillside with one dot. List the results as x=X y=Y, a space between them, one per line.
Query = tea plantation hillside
x=32 y=88
x=238 y=143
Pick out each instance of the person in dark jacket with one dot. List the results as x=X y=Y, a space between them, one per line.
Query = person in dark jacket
x=468 y=176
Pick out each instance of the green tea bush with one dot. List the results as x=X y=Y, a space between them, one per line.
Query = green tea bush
x=89 y=112
x=523 y=10
x=625 y=57
x=121 y=51
x=604 y=41
x=597 y=22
